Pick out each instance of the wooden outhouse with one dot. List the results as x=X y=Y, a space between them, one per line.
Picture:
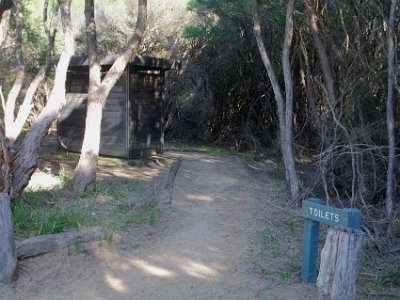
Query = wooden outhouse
x=132 y=123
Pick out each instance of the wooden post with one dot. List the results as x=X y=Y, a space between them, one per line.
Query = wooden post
x=310 y=249
x=8 y=256
x=340 y=262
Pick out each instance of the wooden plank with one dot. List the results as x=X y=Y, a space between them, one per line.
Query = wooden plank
x=70 y=113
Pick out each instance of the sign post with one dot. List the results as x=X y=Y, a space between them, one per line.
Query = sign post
x=315 y=213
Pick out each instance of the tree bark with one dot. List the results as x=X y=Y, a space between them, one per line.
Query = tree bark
x=285 y=110
x=25 y=160
x=390 y=182
x=340 y=263
x=85 y=172
x=8 y=258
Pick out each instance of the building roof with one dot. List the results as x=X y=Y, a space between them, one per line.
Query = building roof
x=137 y=60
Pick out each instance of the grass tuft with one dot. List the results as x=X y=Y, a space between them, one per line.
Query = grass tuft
x=33 y=219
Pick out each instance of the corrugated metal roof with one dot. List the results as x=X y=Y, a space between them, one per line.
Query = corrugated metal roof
x=142 y=61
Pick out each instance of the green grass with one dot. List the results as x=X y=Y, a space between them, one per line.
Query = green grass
x=38 y=219
x=182 y=146
x=269 y=244
x=118 y=189
x=288 y=273
x=127 y=202
x=116 y=204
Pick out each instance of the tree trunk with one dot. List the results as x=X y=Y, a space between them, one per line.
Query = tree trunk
x=16 y=88
x=330 y=87
x=25 y=160
x=390 y=189
x=39 y=245
x=26 y=106
x=85 y=172
x=4 y=24
x=285 y=110
x=8 y=257
x=340 y=263
x=287 y=73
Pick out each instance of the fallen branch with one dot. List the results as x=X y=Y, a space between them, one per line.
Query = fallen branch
x=39 y=245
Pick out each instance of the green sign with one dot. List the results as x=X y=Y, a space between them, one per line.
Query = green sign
x=316 y=213
x=347 y=217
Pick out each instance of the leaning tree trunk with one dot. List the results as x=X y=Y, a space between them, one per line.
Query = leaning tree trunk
x=390 y=115
x=25 y=160
x=285 y=110
x=85 y=172
x=8 y=256
x=4 y=25
x=25 y=108
x=17 y=86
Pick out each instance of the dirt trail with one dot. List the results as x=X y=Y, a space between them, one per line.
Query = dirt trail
x=204 y=248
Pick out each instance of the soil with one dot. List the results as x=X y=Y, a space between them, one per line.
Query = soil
x=206 y=244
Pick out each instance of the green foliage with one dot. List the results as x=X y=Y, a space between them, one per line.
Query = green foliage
x=225 y=21
x=33 y=34
x=220 y=21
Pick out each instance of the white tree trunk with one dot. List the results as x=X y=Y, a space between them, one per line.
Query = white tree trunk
x=16 y=88
x=25 y=160
x=15 y=127
x=85 y=172
x=4 y=25
x=8 y=257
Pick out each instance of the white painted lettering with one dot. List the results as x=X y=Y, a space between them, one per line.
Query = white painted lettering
x=337 y=218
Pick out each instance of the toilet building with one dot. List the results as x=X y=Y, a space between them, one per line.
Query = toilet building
x=132 y=123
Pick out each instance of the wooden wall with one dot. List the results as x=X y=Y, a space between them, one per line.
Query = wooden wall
x=71 y=121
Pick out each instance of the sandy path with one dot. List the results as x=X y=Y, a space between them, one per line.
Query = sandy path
x=204 y=251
